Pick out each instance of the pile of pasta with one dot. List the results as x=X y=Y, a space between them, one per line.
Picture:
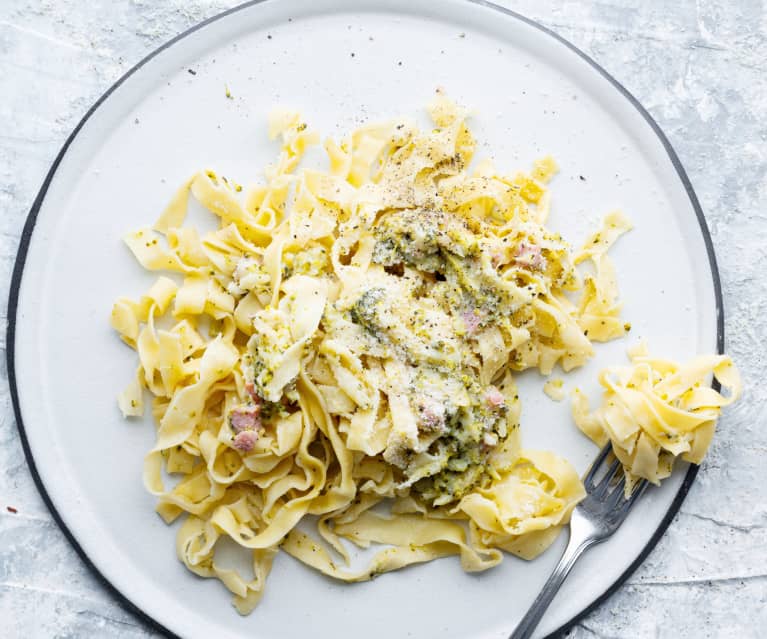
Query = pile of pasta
x=266 y=281
x=656 y=410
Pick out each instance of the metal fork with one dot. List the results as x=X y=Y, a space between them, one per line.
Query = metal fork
x=594 y=519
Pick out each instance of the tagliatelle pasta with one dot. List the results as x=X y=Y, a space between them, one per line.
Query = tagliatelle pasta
x=344 y=346
x=657 y=410
x=554 y=389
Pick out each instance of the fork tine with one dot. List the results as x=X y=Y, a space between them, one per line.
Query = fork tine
x=638 y=490
x=602 y=487
x=589 y=481
x=617 y=494
x=595 y=518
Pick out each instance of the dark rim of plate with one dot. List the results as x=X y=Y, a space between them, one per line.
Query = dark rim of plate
x=29 y=226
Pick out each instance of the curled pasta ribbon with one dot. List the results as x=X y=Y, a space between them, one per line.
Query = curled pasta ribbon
x=195 y=546
x=599 y=310
x=656 y=410
x=520 y=512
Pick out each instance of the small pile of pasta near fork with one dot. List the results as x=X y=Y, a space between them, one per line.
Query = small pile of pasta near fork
x=344 y=346
x=655 y=411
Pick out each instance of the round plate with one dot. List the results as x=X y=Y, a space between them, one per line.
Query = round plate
x=341 y=62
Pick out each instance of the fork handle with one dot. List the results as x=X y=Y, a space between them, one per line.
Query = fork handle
x=575 y=546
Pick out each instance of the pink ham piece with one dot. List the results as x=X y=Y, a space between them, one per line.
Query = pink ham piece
x=245 y=440
x=245 y=418
x=530 y=256
x=250 y=389
x=471 y=320
x=494 y=397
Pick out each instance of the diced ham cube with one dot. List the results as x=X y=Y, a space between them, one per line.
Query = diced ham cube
x=245 y=440
x=245 y=418
x=494 y=397
x=530 y=256
x=250 y=389
x=471 y=321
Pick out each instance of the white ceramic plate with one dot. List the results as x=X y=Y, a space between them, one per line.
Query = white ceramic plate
x=341 y=62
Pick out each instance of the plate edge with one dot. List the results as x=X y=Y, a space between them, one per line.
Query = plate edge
x=29 y=226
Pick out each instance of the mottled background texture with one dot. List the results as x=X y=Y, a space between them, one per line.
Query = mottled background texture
x=699 y=66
